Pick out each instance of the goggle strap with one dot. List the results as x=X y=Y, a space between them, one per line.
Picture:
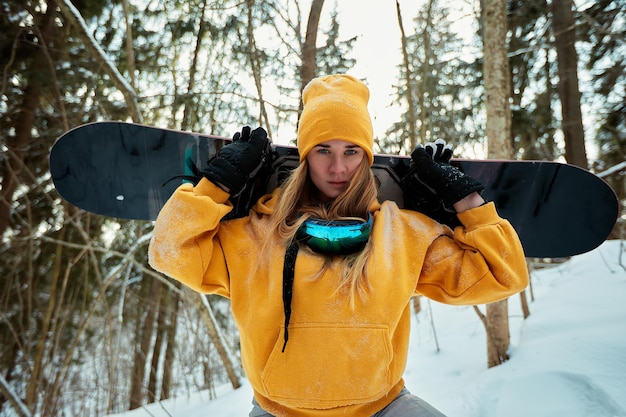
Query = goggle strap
x=289 y=268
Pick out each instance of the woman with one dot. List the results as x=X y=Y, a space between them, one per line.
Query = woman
x=320 y=274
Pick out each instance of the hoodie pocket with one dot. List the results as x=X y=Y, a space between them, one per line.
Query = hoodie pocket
x=329 y=365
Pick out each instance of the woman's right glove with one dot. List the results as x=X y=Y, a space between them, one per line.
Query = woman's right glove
x=432 y=185
x=240 y=160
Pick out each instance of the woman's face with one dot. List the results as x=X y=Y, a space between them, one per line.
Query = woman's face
x=332 y=165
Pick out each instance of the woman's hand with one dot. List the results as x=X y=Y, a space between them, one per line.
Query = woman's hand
x=240 y=160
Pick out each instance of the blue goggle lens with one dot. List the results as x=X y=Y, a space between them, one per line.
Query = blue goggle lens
x=335 y=237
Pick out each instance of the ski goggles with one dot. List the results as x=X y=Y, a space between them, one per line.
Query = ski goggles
x=335 y=237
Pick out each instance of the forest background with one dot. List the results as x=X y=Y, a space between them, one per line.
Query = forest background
x=87 y=328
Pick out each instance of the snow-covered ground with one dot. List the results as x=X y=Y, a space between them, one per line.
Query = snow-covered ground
x=567 y=359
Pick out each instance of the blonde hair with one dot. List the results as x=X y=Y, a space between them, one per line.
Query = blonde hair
x=300 y=201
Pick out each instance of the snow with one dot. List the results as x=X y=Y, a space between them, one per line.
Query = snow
x=568 y=358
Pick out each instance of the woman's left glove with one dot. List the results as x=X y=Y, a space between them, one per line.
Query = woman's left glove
x=240 y=160
x=432 y=185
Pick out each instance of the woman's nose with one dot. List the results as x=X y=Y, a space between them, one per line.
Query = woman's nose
x=337 y=164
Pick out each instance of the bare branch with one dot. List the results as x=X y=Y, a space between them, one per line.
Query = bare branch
x=14 y=399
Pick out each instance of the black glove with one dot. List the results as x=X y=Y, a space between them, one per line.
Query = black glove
x=432 y=185
x=240 y=160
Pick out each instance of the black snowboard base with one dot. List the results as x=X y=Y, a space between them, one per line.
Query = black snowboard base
x=128 y=171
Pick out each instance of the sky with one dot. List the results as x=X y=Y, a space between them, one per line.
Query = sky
x=566 y=359
x=377 y=53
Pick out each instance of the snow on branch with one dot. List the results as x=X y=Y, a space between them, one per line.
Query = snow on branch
x=72 y=14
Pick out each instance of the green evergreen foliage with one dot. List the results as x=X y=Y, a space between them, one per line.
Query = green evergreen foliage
x=445 y=84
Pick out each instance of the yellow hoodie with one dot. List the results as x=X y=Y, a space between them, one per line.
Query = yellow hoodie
x=339 y=360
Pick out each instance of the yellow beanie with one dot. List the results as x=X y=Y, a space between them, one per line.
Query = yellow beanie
x=335 y=107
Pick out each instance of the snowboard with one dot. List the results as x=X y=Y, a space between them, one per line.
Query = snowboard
x=128 y=171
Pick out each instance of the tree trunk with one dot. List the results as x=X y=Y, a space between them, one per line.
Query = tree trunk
x=309 y=47
x=425 y=106
x=170 y=340
x=567 y=58
x=19 y=143
x=130 y=51
x=524 y=302
x=499 y=335
x=497 y=89
x=161 y=329
x=497 y=80
x=417 y=304
x=308 y=68
x=408 y=80
x=193 y=70
x=494 y=356
x=36 y=376
x=145 y=330
x=255 y=66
